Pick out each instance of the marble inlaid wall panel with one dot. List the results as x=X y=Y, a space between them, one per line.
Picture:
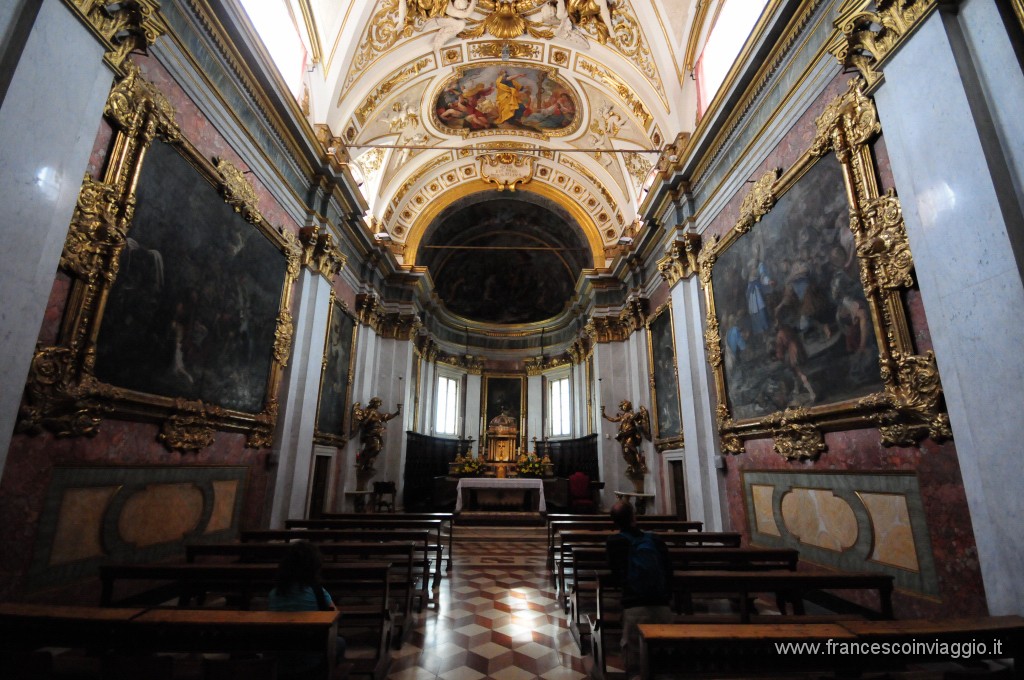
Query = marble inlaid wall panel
x=852 y=521
x=91 y=515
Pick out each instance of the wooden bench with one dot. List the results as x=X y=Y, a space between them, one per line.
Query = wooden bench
x=790 y=588
x=406 y=574
x=849 y=647
x=559 y=522
x=360 y=590
x=677 y=535
x=447 y=519
x=429 y=550
x=588 y=561
x=99 y=630
x=433 y=549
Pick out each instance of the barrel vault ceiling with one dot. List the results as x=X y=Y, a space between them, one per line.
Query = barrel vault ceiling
x=386 y=71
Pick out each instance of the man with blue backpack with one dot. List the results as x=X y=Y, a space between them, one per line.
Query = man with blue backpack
x=640 y=562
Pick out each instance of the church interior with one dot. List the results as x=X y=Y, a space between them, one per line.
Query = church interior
x=507 y=264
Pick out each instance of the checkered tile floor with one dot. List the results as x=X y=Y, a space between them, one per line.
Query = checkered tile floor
x=496 y=616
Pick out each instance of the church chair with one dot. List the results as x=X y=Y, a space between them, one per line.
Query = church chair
x=384 y=496
x=581 y=496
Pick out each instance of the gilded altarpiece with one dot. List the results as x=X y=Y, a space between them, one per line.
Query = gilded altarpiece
x=806 y=326
x=178 y=309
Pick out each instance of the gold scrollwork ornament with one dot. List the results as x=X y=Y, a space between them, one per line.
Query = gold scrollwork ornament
x=56 y=400
x=910 y=408
x=758 y=201
x=882 y=240
x=794 y=437
x=96 y=234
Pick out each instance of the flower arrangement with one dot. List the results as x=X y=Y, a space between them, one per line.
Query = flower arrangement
x=468 y=466
x=531 y=465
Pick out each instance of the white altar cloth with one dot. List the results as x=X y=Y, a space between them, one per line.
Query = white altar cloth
x=494 y=483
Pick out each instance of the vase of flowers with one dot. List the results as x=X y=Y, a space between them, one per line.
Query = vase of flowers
x=532 y=465
x=467 y=466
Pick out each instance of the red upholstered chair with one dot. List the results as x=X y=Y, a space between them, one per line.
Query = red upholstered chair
x=581 y=497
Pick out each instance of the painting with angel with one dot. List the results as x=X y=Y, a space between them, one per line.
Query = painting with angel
x=501 y=96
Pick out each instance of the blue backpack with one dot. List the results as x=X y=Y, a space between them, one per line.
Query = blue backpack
x=645 y=574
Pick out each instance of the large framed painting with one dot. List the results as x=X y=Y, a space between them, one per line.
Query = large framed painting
x=807 y=329
x=664 y=380
x=504 y=394
x=506 y=97
x=178 y=309
x=336 y=376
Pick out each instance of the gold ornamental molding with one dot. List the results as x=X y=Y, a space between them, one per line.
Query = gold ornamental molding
x=912 y=406
x=538 y=365
x=758 y=201
x=869 y=37
x=400 y=326
x=681 y=260
x=906 y=404
x=631 y=318
x=320 y=254
x=506 y=169
x=796 y=436
x=63 y=394
x=123 y=27
x=370 y=311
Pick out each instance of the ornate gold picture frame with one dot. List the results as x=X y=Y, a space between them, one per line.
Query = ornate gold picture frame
x=178 y=306
x=336 y=376
x=666 y=407
x=762 y=315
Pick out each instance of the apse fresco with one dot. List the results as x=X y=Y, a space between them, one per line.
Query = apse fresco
x=504 y=261
x=503 y=97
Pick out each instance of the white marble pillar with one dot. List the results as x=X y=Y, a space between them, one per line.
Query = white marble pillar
x=534 y=410
x=950 y=112
x=48 y=122
x=293 y=438
x=704 y=492
x=471 y=418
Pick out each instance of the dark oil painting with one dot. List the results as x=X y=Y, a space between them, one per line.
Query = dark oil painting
x=193 y=310
x=668 y=423
x=506 y=97
x=334 y=382
x=795 y=326
x=503 y=394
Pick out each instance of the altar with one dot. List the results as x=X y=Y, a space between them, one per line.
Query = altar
x=518 y=492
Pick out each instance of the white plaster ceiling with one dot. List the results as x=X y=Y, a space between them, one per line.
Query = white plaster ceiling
x=376 y=81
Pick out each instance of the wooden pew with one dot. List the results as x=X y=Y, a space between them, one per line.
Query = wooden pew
x=447 y=519
x=427 y=536
x=378 y=527
x=556 y=522
x=791 y=588
x=360 y=590
x=99 y=630
x=697 y=650
x=588 y=561
x=407 y=570
x=674 y=535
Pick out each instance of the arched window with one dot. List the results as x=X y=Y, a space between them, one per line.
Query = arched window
x=731 y=26
x=276 y=27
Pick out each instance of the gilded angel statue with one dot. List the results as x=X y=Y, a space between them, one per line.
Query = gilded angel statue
x=371 y=424
x=634 y=428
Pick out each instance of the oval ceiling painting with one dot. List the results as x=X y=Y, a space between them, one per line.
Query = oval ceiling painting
x=500 y=97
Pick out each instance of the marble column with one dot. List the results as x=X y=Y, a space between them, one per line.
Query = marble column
x=293 y=438
x=704 y=492
x=49 y=116
x=950 y=112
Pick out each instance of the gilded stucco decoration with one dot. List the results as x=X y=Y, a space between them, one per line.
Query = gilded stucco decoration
x=506 y=169
x=382 y=31
x=680 y=261
x=388 y=85
x=634 y=104
x=538 y=365
x=63 y=394
x=758 y=201
x=124 y=27
x=320 y=254
x=908 y=405
x=869 y=37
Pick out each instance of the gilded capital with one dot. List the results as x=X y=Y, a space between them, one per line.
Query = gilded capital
x=680 y=262
x=123 y=27
x=319 y=252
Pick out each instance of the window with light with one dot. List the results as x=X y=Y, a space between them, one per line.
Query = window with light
x=447 y=415
x=732 y=26
x=560 y=407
